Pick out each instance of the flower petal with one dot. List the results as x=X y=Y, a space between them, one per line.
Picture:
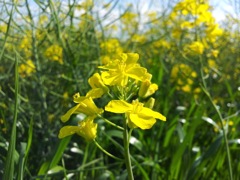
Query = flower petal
x=146 y=112
x=138 y=73
x=143 y=123
x=118 y=106
x=67 y=131
x=132 y=58
x=71 y=111
x=95 y=93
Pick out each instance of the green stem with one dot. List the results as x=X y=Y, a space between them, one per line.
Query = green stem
x=224 y=134
x=126 y=150
x=109 y=122
x=107 y=153
x=204 y=88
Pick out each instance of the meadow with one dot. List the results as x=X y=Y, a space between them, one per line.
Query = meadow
x=101 y=90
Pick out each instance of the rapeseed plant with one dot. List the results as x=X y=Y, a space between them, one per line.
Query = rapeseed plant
x=123 y=79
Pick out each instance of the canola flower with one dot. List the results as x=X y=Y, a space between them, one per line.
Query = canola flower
x=120 y=70
x=85 y=128
x=122 y=79
x=119 y=73
x=84 y=105
x=196 y=47
x=54 y=53
x=184 y=76
x=111 y=49
x=27 y=69
x=137 y=114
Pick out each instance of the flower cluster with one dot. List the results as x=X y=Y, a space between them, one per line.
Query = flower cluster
x=54 y=53
x=26 y=69
x=123 y=79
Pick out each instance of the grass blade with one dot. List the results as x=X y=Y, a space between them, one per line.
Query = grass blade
x=9 y=166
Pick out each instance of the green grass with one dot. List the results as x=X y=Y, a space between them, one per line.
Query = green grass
x=199 y=140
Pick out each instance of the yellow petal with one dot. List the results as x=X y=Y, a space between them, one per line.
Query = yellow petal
x=88 y=129
x=67 y=131
x=95 y=93
x=146 y=112
x=138 y=73
x=132 y=58
x=89 y=108
x=118 y=106
x=142 y=123
x=71 y=111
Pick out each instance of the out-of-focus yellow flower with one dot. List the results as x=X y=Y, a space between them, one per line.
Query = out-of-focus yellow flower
x=26 y=45
x=84 y=105
x=212 y=63
x=176 y=32
x=161 y=43
x=111 y=46
x=213 y=53
x=43 y=19
x=129 y=21
x=213 y=31
x=65 y=95
x=27 y=69
x=3 y=29
x=86 y=5
x=196 y=47
x=54 y=53
x=111 y=49
x=120 y=70
x=183 y=76
x=138 y=115
x=187 y=24
x=205 y=17
x=86 y=129
x=51 y=117
x=138 y=38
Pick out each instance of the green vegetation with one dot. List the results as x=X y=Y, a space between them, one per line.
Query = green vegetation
x=189 y=68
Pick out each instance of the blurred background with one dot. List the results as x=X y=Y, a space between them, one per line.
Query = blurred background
x=191 y=47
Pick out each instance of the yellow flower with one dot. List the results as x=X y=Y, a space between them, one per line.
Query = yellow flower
x=97 y=85
x=111 y=48
x=54 y=53
x=138 y=116
x=196 y=47
x=85 y=105
x=26 y=69
x=86 y=128
x=119 y=70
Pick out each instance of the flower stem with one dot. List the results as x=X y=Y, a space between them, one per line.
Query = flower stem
x=107 y=153
x=126 y=150
x=111 y=123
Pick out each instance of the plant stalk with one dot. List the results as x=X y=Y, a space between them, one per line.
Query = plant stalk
x=126 y=150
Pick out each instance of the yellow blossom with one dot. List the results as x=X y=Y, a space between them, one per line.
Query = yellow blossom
x=120 y=70
x=85 y=128
x=97 y=85
x=26 y=69
x=84 y=105
x=196 y=47
x=138 y=115
x=54 y=53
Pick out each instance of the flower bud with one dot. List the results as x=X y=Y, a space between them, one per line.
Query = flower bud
x=147 y=89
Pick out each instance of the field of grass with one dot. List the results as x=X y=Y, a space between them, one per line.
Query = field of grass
x=101 y=90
